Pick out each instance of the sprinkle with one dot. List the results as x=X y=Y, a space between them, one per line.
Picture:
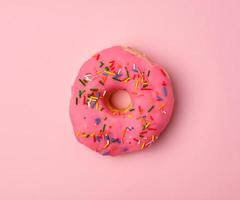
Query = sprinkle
x=150 y=109
x=97 y=105
x=101 y=83
x=159 y=98
x=104 y=93
x=162 y=106
x=104 y=127
x=130 y=116
x=164 y=83
x=111 y=63
x=163 y=72
x=140 y=109
x=97 y=56
x=146 y=89
x=143 y=132
x=116 y=79
x=119 y=71
x=77 y=133
x=107 y=144
x=94 y=89
x=146 y=125
x=81 y=93
x=76 y=101
x=151 y=117
x=94 y=138
x=131 y=109
x=82 y=82
x=148 y=74
x=152 y=129
x=136 y=84
x=84 y=99
x=127 y=72
x=97 y=121
x=135 y=139
x=143 y=145
x=126 y=80
x=165 y=91
x=110 y=73
x=101 y=64
x=134 y=66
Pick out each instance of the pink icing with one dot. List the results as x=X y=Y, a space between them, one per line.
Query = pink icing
x=110 y=131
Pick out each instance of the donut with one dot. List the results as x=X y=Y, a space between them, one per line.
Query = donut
x=121 y=101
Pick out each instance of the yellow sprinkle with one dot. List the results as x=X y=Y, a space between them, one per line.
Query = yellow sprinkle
x=97 y=105
x=77 y=133
x=99 y=72
x=126 y=80
x=130 y=116
x=153 y=138
x=147 y=125
x=136 y=84
x=143 y=145
x=111 y=73
x=107 y=144
x=84 y=135
x=93 y=97
x=162 y=106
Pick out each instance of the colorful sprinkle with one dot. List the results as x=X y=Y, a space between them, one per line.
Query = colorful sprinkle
x=82 y=82
x=101 y=64
x=165 y=91
x=150 y=109
x=80 y=93
x=97 y=121
x=76 y=101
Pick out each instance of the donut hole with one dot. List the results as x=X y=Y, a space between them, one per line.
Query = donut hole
x=119 y=100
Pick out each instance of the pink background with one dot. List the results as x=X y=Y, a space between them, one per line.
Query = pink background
x=43 y=44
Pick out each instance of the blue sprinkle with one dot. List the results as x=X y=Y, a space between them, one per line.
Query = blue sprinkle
x=98 y=95
x=105 y=153
x=104 y=74
x=107 y=137
x=165 y=91
x=98 y=121
x=135 y=70
x=98 y=139
x=115 y=140
x=93 y=104
x=144 y=116
x=117 y=76
x=159 y=98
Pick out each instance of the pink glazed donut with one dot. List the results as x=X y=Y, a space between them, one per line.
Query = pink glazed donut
x=121 y=101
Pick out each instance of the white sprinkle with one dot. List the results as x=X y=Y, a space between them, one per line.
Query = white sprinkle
x=119 y=71
x=104 y=93
x=134 y=66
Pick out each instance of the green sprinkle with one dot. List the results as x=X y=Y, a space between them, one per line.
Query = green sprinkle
x=81 y=93
x=107 y=68
x=94 y=89
x=150 y=109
